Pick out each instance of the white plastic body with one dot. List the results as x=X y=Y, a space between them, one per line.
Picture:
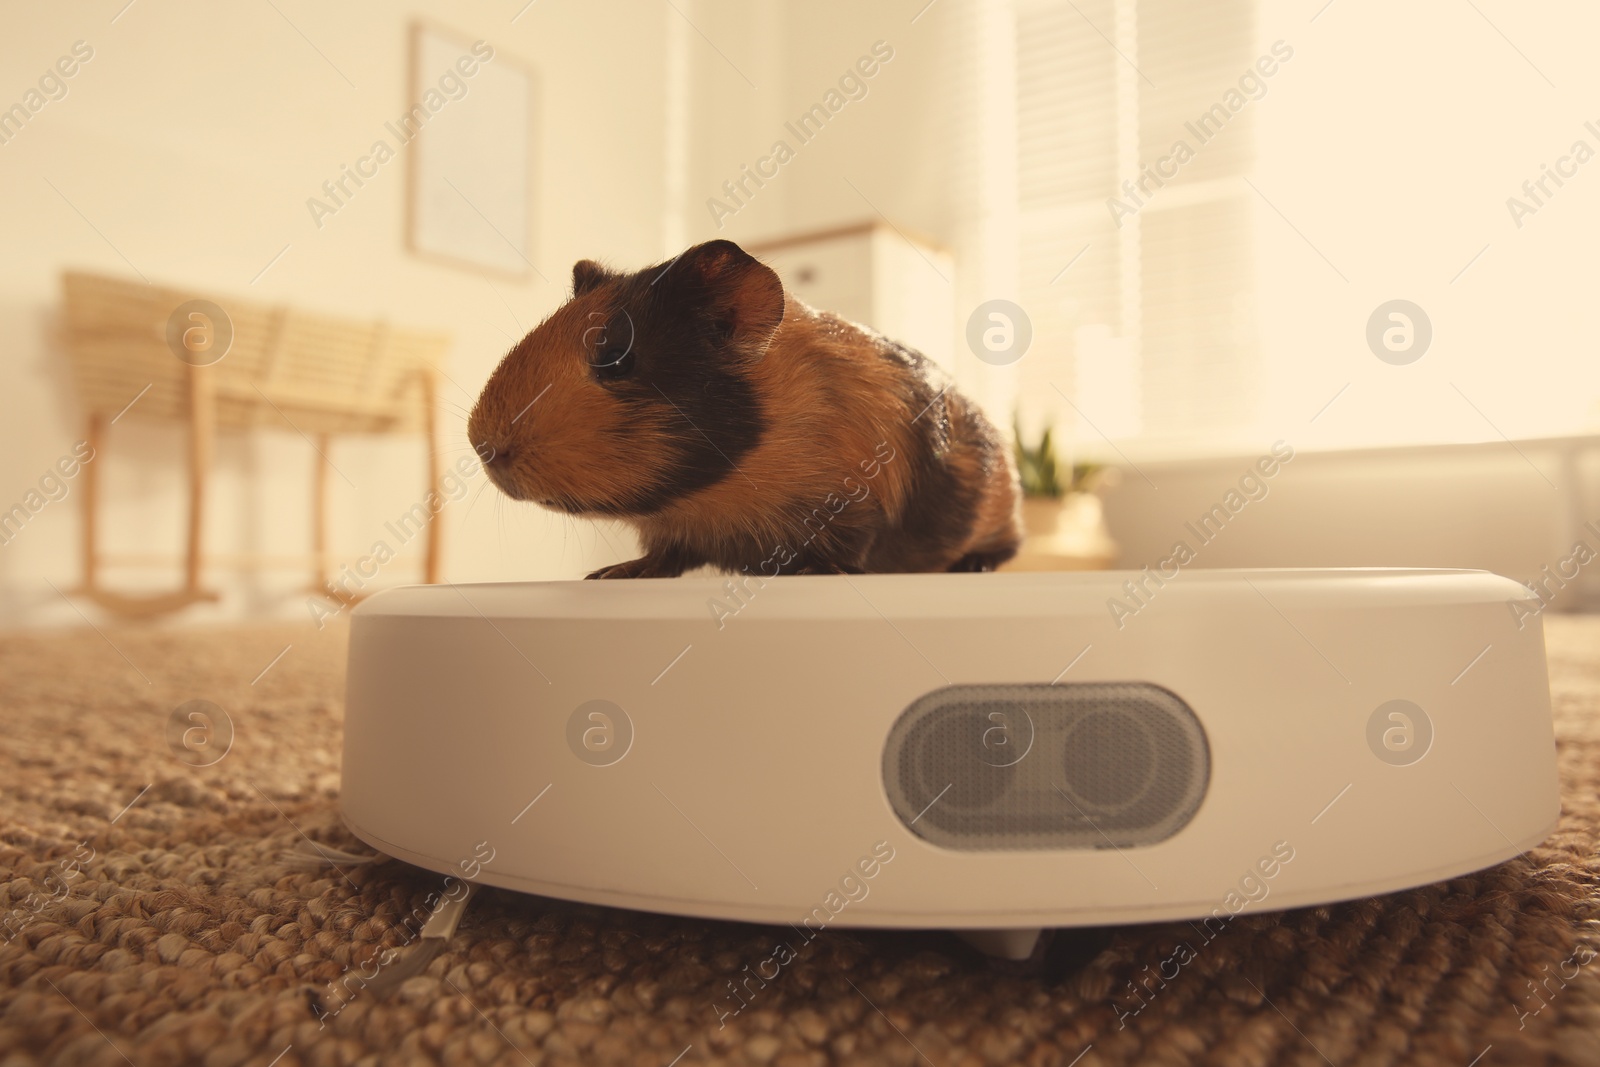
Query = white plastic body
x=753 y=783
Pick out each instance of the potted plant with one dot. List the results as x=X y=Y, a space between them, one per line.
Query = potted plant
x=1063 y=521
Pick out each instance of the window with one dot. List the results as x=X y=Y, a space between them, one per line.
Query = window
x=1142 y=294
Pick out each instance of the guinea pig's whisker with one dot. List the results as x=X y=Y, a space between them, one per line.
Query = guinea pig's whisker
x=434 y=367
x=475 y=497
x=500 y=522
x=600 y=532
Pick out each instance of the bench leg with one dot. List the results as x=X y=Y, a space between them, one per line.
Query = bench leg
x=202 y=430
x=89 y=495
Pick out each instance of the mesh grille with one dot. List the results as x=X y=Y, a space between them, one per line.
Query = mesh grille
x=1095 y=765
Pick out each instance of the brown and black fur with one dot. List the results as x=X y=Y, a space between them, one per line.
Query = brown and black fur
x=731 y=425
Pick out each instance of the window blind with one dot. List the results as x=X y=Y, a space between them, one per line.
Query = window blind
x=1144 y=314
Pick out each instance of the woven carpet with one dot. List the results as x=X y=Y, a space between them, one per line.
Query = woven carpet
x=150 y=920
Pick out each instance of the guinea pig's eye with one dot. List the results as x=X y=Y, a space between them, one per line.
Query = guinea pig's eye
x=609 y=340
x=612 y=363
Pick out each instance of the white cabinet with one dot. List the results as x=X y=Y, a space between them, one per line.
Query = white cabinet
x=872 y=274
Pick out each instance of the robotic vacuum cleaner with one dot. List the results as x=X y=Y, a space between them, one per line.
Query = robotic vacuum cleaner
x=987 y=753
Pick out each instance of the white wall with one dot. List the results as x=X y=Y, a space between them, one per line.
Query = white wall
x=1393 y=141
x=190 y=142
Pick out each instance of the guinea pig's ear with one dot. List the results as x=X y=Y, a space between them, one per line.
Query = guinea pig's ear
x=742 y=294
x=587 y=274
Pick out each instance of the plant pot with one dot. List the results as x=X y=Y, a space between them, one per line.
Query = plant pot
x=1065 y=534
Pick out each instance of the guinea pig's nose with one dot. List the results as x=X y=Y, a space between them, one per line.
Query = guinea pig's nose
x=493 y=455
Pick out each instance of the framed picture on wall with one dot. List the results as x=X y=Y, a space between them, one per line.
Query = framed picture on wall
x=468 y=130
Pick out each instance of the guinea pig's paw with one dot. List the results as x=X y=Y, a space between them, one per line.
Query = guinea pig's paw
x=643 y=567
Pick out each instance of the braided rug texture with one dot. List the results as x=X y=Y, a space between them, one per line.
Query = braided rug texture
x=162 y=927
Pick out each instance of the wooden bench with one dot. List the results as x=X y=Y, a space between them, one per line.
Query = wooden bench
x=285 y=369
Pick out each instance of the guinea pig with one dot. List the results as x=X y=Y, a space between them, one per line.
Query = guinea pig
x=734 y=426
